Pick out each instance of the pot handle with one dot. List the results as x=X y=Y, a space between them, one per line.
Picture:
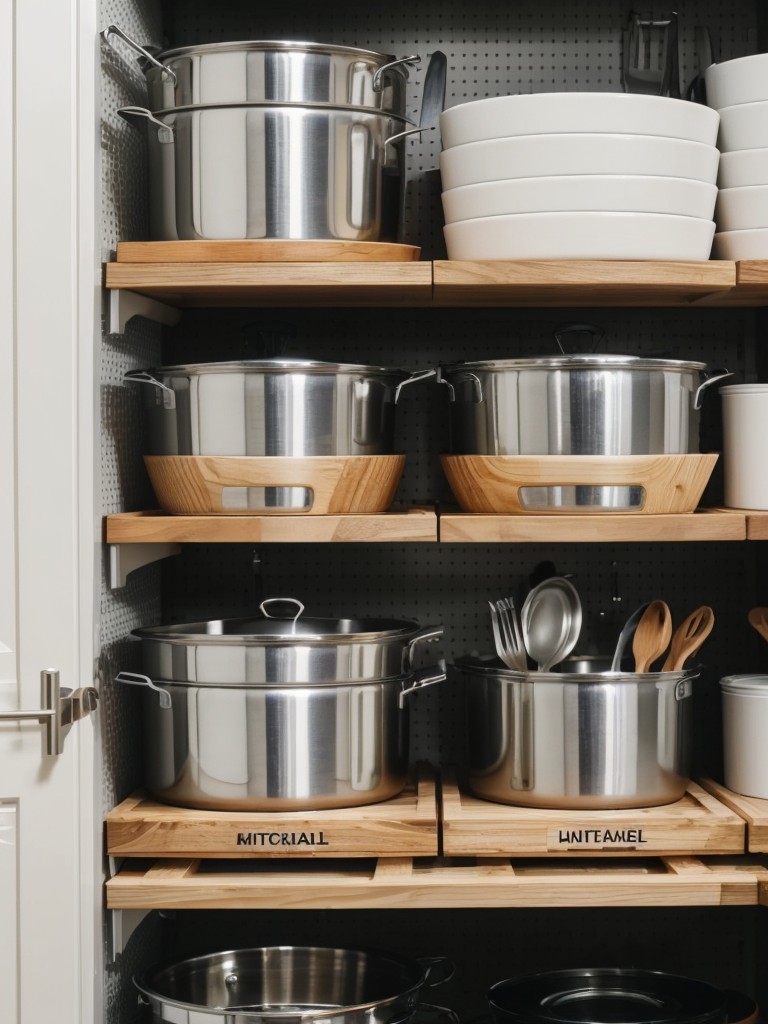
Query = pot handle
x=461 y=378
x=140 y=117
x=280 y=600
x=411 y=131
x=113 y=30
x=419 y=680
x=424 y=636
x=597 y=334
x=414 y=377
x=143 y=377
x=443 y=968
x=137 y=679
x=716 y=375
x=400 y=65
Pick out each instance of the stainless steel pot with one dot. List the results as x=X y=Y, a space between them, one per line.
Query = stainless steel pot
x=284 y=71
x=264 y=170
x=290 y=650
x=606 y=995
x=576 y=405
x=272 y=407
x=577 y=740
x=291 y=985
x=279 y=714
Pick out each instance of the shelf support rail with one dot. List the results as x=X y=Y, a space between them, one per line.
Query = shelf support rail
x=126 y=558
x=124 y=305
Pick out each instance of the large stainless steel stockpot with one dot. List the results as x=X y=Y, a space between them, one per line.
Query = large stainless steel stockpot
x=577 y=740
x=291 y=985
x=282 y=71
x=287 y=650
x=576 y=405
x=291 y=407
x=279 y=714
x=260 y=170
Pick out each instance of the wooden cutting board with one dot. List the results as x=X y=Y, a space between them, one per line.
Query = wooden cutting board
x=266 y=251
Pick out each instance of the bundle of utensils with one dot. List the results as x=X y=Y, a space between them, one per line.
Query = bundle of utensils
x=548 y=627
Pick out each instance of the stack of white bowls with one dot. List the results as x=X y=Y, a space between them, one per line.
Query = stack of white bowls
x=579 y=176
x=738 y=90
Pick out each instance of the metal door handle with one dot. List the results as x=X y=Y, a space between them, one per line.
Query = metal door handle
x=60 y=708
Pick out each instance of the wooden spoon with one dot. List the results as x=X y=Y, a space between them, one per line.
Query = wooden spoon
x=652 y=635
x=758 y=617
x=688 y=638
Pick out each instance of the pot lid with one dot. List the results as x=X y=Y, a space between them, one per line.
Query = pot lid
x=286 y=45
x=579 y=362
x=283 y=107
x=755 y=684
x=744 y=389
x=304 y=366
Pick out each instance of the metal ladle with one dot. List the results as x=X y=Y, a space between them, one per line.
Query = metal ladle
x=551 y=621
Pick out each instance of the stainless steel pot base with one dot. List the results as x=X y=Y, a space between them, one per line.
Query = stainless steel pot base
x=583 y=498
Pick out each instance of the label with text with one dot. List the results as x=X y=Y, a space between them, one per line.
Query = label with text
x=267 y=840
x=596 y=838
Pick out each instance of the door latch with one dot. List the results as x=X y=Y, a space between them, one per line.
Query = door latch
x=61 y=707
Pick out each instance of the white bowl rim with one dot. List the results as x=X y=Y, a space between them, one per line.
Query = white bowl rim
x=742 y=232
x=582 y=214
x=744 y=188
x=559 y=178
x=619 y=97
x=744 y=106
x=565 y=137
x=735 y=60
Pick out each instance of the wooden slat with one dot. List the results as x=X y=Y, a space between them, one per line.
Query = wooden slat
x=273 y=284
x=419 y=885
x=753 y=810
x=406 y=825
x=757 y=525
x=579 y=282
x=159 y=527
x=277 y=250
x=703 y=525
x=697 y=824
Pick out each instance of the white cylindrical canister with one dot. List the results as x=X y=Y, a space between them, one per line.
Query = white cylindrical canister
x=745 y=734
x=745 y=445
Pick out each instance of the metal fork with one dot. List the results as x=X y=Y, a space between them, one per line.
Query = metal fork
x=508 y=635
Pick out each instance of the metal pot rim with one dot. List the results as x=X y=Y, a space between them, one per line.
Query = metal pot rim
x=187 y=633
x=578 y=362
x=287 y=45
x=472 y=666
x=348 y=108
x=287 y=366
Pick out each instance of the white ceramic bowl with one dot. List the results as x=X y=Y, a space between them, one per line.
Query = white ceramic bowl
x=552 y=113
x=607 y=192
x=743 y=80
x=745 y=167
x=744 y=127
x=580 y=236
x=741 y=245
x=740 y=209
x=533 y=156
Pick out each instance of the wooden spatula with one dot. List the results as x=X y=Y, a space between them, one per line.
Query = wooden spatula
x=758 y=617
x=688 y=638
x=652 y=635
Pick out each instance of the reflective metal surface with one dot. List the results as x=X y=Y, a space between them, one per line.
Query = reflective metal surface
x=270 y=407
x=577 y=740
x=269 y=748
x=288 y=984
x=265 y=651
x=273 y=171
x=279 y=71
x=576 y=405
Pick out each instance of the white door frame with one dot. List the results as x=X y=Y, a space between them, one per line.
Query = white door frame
x=49 y=329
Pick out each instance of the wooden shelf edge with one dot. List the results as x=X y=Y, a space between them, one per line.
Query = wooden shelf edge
x=753 y=810
x=405 y=883
x=147 y=527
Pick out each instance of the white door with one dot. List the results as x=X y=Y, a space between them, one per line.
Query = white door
x=49 y=884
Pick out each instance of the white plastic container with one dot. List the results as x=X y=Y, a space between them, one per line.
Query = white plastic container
x=745 y=734
x=745 y=453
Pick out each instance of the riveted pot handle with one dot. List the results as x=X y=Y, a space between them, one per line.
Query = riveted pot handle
x=411 y=131
x=417 y=375
x=143 y=377
x=137 y=679
x=710 y=378
x=140 y=117
x=419 y=680
x=280 y=600
x=596 y=333
x=424 y=636
x=113 y=30
x=437 y=970
x=402 y=65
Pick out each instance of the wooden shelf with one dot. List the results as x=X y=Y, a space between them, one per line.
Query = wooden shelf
x=704 y=525
x=404 y=883
x=524 y=283
x=757 y=525
x=753 y=810
x=695 y=825
x=421 y=524
x=406 y=825
x=158 y=527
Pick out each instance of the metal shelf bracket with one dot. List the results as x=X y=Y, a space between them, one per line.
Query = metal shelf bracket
x=121 y=924
x=124 y=305
x=125 y=558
